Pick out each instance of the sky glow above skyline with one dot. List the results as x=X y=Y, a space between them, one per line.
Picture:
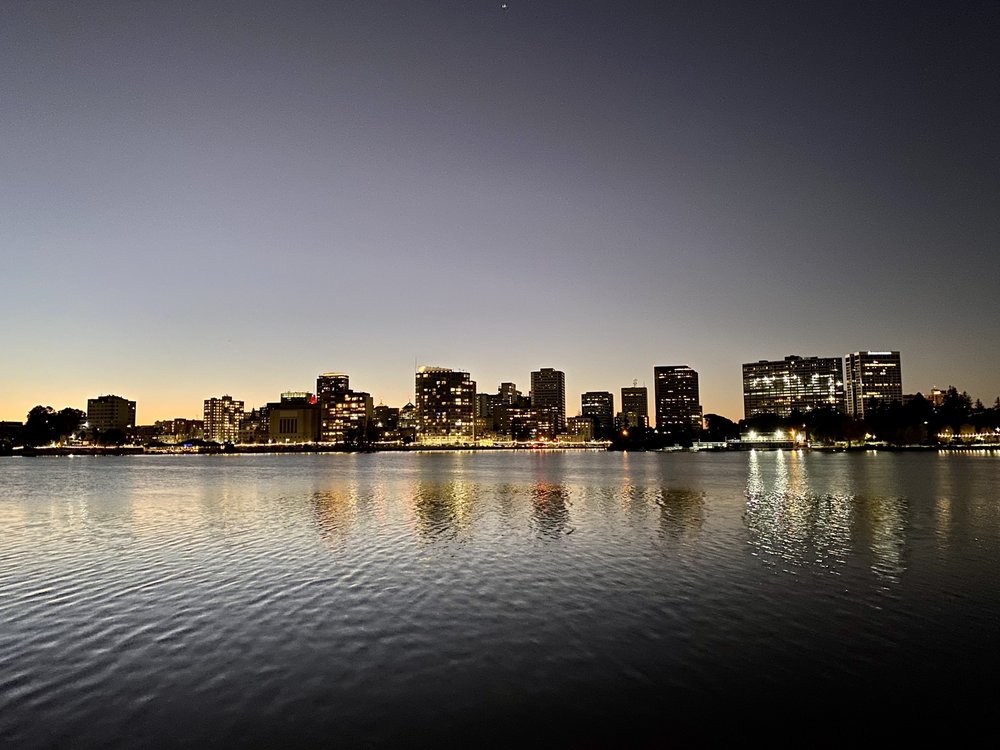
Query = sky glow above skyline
x=233 y=199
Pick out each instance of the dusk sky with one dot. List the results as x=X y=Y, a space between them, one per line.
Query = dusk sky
x=208 y=198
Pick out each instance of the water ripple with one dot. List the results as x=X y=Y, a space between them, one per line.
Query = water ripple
x=260 y=599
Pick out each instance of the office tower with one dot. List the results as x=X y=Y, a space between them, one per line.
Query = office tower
x=548 y=399
x=445 y=406
x=330 y=383
x=635 y=406
x=599 y=406
x=678 y=407
x=110 y=413
x=872 y=378
x=223 y=417
x=793 y=384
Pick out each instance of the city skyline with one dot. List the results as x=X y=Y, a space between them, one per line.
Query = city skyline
x=343 y=376
x=233 y=198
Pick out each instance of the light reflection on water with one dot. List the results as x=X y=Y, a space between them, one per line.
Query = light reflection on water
x=271 y=597
x=793 y=525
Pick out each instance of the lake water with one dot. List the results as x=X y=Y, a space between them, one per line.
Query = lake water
x=582 y=599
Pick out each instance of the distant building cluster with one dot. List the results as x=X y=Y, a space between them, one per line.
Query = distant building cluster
x=849 y=384
x=448 y=409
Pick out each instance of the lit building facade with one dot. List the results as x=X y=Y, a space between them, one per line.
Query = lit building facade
x=386 y=418
x=635 y=406
x=599 y=406
x=110 y=413
x=678 y=402
x=795 y=383
x=330 y=383
x=548 y=399
x=505 y=404
x=345 y=415
x=871 y=377
x=580 y=429
x=256 y=425
x=180 y=429
x=223 y=418
x=445 y=406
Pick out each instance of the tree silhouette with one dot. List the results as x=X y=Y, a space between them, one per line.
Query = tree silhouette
x=45 y=425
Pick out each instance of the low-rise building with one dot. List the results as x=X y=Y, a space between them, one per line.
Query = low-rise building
x=294 y=419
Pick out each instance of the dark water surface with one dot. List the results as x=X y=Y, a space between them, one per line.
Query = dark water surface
x=579 y=599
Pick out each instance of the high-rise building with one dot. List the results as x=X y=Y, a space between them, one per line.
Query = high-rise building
x=331 y=382
x=110 y=413
x=678 y=405
x=345 y=415
x=872 y=378
x=599 y=406
x=548 y=399
x=223 y=417
x=445 y=406
x=793 y=384
x=635 y=406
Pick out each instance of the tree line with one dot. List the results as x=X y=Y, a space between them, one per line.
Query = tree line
x=45 y=425
x=917 y=422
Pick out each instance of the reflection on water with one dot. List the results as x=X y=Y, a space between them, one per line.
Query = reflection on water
x=884 y=519
x=443 y=509
x=793 y=523
x=334 y=512
x=550 y=509
x=681 y=511
x=354 y=596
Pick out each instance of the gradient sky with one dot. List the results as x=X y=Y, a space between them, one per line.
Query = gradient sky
x=208 y=198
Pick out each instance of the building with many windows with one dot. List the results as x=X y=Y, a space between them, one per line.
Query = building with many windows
x=635 y=406
x=548 y=400
x=580 y=429
x=871 y=378
x=599 y=406
x=110 y=413
x=445 y=406
x=793 y=384
x=180 y=429
x=256 y=425
x=678 y=403
x=330 y=383
x=223 y=418
x=345 y=415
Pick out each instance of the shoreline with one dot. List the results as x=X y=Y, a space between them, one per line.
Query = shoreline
x=300 y=448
